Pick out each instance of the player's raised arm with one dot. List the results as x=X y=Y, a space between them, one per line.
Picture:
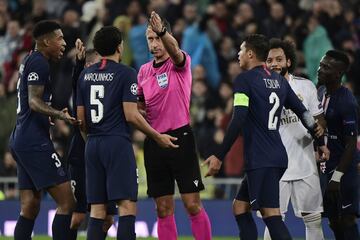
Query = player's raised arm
x=170 y=43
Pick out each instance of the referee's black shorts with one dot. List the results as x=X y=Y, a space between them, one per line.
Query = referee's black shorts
x=164 y=166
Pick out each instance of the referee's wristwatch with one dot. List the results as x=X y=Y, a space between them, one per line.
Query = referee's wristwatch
x=162 y=33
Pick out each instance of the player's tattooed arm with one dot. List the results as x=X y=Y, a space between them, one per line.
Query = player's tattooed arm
x=170 y=43
x=37 y=104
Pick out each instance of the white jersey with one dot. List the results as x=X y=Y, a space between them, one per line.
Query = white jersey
x=295 y=137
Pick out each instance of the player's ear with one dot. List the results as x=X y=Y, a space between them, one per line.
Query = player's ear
x=46 y=42
x=288 y=63
x=250 y=53
x=120 y=47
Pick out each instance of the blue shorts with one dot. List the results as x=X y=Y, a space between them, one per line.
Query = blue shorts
x=111 y=169
x=260 y=188
x=39 y=170
x=77 y=174
x=348 y=204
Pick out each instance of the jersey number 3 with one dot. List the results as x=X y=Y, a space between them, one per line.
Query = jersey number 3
x=273 y=120
x=96 y=92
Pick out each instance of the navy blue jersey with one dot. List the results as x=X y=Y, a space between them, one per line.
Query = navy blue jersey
x=265 y=94
x=31 y=132
x=77 y=145
x=342 y=120
x=102 y=89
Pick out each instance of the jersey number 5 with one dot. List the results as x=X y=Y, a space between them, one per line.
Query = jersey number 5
x=273 y=120
x=96 y=92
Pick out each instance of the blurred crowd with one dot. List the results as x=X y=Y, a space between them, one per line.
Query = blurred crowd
x=209 y=30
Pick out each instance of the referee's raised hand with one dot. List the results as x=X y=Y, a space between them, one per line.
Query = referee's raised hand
x=155 y=22
x=166 y=141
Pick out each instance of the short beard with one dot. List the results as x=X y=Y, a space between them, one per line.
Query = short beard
x=284 y=71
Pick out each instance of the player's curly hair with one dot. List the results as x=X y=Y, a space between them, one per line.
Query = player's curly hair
x=106 y=40
x=289 y=51
x=259 y=44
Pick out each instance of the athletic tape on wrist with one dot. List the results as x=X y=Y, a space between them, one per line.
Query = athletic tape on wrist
x=336 y=177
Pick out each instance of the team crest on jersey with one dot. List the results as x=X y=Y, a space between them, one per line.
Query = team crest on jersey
x=133 y=89
x=33 y=76
x=162 y=80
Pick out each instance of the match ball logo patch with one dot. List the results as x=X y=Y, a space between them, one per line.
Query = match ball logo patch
x=133 y=89
x=33 y=76
x=162 y=80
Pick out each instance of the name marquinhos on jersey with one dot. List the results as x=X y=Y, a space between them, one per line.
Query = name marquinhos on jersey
x=288 y=116
x=271 y=83
x=97 y=77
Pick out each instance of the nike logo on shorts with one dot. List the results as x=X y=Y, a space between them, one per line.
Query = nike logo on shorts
x=196 y=182
x=346 y=206
x=251 y=202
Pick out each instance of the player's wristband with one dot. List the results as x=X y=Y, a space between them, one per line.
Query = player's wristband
x=162 y=33
x=336 y=177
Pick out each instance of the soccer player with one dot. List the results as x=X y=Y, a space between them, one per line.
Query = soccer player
x=259 y=97
x=106 y=102
x=164 y=93
x=76 y=158
x=300 y=182
x=341 y=202
x=39 y=166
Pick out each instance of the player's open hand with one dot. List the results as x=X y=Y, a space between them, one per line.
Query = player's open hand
x=323 y=153
x=155 y=22
x=80 y=49
x=319 y=130
x=67 y=118
x=214 y=165
x=166 y=141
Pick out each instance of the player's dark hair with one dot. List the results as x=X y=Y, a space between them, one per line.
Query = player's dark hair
x=165 y=23
x=259 y=44
x=106 y=40
x=45 y=27
x=289 y=51
x=341 y=58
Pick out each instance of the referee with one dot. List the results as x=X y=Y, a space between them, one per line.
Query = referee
x=164 y=83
